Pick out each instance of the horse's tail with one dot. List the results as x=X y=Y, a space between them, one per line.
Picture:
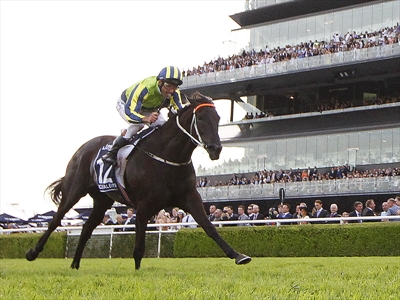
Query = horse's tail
x=55 y=191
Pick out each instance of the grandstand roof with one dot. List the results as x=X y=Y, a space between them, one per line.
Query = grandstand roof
x=288 y=10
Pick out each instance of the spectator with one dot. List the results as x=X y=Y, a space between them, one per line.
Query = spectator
x=314 y=173
x=334 y=213
x=285 y=214
x=229 y=215
x=333 y=173
x=218 y=217
x=107 y=219
x=163 y=217
x=297 y=214
x=256 y=215
x=345 y=214
x=397 y=199
x=304 y=215
x=130 y=220
x=250 y=211
x=393 y=209
x=357 y=212
x=320 y=212
x=212 y=210
x=174 y=215
x=120 y=221
x=181 y=215
x=273 y=213
x=242 y=216
x=369 y=210
x=384 y=212
x=189 y=219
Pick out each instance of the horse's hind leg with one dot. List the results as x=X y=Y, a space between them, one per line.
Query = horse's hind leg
x=101 y=203
x=196 y=208
x=67 y=202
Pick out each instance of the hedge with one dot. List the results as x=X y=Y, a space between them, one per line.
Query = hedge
x=366 y=239
x=15 y=245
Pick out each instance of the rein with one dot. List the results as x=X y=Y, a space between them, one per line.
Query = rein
x=198 y=141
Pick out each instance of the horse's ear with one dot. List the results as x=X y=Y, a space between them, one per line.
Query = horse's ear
x=197 y=98
x=184 y=98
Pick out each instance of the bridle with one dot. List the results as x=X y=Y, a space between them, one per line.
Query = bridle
x=193 y=124
x=198 y=141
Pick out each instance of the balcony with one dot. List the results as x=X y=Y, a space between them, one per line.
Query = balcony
x=307 y=189
x=295 y=65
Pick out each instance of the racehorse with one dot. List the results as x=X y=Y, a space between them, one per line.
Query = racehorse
x=159 y=174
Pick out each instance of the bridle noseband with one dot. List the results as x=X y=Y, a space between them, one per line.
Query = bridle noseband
x=198 y=142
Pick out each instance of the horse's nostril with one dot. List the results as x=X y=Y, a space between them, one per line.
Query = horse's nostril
x=214 y=148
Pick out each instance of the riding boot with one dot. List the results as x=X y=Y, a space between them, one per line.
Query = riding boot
x=111 y=156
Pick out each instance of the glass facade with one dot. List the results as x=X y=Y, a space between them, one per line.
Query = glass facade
x=254 y=4
x=370 y=18
x=355 y=148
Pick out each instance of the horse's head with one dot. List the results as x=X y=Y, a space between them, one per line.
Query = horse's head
x=206 y=124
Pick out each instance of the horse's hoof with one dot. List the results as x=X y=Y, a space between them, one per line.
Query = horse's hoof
x=242 y=259
x=75 y=265
x=31 y=254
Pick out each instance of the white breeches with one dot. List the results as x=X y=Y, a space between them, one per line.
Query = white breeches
x=136 y=127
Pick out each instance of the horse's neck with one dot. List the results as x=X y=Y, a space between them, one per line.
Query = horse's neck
x=174 y=142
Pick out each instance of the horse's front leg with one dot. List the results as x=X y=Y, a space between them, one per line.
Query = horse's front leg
x=196 y=208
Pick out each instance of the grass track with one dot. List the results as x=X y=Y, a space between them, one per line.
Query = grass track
x=207 y=278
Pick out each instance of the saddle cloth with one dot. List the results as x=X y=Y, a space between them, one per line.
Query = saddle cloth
x=108 y=177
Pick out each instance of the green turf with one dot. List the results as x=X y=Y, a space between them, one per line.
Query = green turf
x=206 y=278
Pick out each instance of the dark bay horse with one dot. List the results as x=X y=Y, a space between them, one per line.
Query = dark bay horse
x=159 y=174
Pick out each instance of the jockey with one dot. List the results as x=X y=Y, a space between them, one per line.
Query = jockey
x=140 y=104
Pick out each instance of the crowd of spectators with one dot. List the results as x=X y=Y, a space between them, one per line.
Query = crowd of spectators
x=309 y=174
x=338 y=43
x=338 y=103
x=283 y=211
x=166 y=218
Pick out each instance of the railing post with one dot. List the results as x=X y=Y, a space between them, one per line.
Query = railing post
x=159 y=242
x=111 y=242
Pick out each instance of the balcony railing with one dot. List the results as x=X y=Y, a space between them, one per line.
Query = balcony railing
x=340 y=187
x=313 y=62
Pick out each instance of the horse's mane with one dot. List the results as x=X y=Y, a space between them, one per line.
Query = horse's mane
x=195 y=97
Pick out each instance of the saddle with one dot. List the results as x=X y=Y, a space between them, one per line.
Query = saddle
x=110 y=178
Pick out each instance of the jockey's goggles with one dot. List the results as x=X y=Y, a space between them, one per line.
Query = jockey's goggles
x=170 y=86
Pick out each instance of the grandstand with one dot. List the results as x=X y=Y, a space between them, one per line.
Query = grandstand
x=331 y=98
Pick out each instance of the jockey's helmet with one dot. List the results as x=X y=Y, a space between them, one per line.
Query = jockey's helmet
x=171 y=75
